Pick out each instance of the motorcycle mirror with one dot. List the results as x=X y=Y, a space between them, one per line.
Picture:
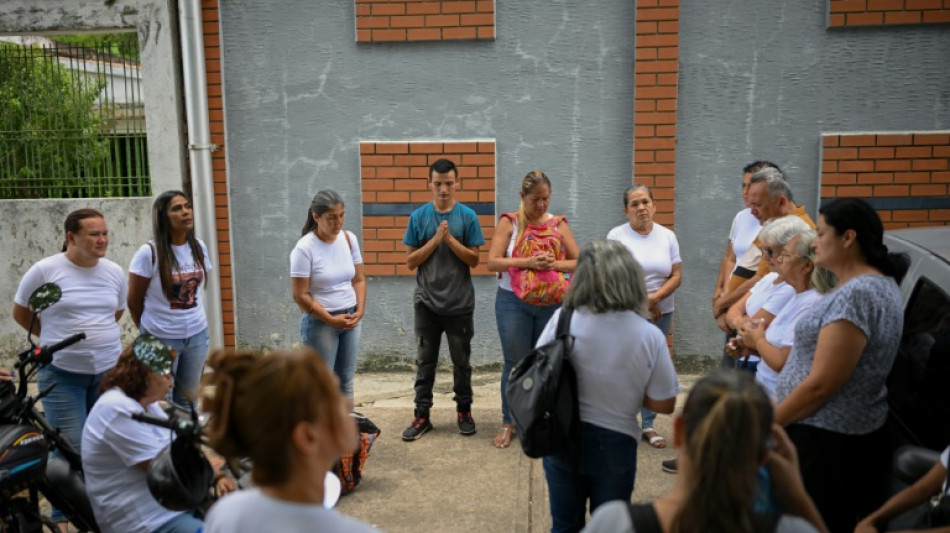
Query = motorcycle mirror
x=45 y=296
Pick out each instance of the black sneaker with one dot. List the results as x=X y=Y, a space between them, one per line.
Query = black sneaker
x=669 y=466
x=420 y=425
x=466 y=423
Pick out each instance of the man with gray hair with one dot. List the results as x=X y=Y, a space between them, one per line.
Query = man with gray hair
x=769 y=197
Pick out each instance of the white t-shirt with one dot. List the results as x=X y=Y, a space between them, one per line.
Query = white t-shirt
x=184 y=316
x=945 y=461
x=91 y=298
x=745 y=228
x=618 y=356
x=504 y=279
x=656 y=253
x=768 y=295
x=112 y=445
x=251 y=511
x=614 y=517
x=330 y=267
x=781 y=333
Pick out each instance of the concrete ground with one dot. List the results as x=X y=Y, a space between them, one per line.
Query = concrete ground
x=448 y=482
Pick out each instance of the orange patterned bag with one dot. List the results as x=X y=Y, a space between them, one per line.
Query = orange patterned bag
x=539 y=287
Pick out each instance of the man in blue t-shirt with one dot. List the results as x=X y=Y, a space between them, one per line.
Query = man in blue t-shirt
x=443 y=237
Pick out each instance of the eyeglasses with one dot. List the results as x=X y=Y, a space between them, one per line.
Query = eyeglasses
x=768 y=251
x=783 y=254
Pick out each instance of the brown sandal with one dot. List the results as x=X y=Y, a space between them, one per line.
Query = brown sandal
x=503 y=437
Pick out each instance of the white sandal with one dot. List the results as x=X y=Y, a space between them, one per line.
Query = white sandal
x=657 y=440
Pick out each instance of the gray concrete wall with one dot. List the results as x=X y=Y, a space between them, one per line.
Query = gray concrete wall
x=763 y=80
x=33 y=229
x=554 y=91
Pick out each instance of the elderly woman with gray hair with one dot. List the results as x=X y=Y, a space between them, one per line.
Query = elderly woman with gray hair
x=796 y=265
x=622 y=363
x=769 y=295
x=328 y=284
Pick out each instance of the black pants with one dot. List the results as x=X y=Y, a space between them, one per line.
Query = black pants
x=458 y=330
x=846 y=475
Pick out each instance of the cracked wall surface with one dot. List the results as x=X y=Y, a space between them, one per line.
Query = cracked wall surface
x=553 y=90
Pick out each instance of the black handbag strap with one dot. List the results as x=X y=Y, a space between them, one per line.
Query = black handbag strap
x=564 y=322
x=644 y=518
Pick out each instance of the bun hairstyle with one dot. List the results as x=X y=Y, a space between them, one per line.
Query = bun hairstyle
x=528 y=184
x=845 y=214
x=727 y=422
x=74 y=222
x=258 y=401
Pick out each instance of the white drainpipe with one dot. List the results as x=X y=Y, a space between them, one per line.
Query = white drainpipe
x=199 y=149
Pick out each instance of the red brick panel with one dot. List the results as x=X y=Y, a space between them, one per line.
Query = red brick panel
x=424 y=20
x=914 y=165
x=397 y=172
x=887 y=12
x=211 y=31
x=656 y=70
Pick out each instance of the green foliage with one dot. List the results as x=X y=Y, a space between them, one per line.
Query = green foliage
x=50 y=129
x=124 y=44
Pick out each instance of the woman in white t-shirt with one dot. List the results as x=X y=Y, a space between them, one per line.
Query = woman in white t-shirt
x=769 y=295
x=622 y=364
x=795 y=263
x=658 y=252
x=283 y=410
x=165 y=278
x=117 y=450
x=93 y=300
x=328 y=284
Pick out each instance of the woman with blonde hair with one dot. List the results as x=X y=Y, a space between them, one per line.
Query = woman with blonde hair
x=724 y=435
x=284 y=411
x=520 y=312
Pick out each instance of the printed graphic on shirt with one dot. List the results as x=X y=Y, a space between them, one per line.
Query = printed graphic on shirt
x=185 y=289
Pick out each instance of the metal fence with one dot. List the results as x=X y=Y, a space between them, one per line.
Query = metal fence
x=72 y=124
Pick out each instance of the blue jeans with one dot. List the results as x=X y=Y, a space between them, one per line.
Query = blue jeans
x=337 y=347
x=67 y=405
x=647 y=416
x=519 y=326
x=605 y=469
x=183 y=523
x=188 y=366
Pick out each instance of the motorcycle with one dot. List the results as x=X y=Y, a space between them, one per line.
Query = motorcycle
x=26 y=439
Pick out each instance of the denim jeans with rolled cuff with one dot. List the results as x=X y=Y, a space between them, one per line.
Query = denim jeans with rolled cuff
x=647 y=416
x=605 y=470
x=519 y=326
x=339 y=348
x=459 y=329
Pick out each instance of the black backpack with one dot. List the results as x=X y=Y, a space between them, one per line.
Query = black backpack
x=542 y=395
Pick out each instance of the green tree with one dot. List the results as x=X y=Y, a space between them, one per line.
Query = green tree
x=50 y=129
